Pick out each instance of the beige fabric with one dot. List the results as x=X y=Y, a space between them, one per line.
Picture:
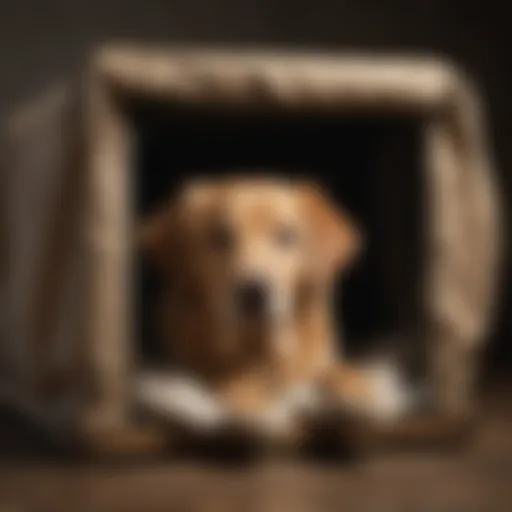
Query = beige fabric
x=282 y=80
x=107 y=232
x=79 y=318
x=465 y=243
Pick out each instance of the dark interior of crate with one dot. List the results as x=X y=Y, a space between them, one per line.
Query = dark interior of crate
x=370 y=163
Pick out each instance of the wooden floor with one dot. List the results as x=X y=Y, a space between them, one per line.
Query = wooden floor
x=477 y=480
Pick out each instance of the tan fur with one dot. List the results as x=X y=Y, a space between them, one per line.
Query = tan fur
x=249 y=368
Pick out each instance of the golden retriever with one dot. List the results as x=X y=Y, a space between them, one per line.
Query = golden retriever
x=249 y=266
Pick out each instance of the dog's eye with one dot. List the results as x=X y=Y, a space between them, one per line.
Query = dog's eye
x=287 y=236
x=221 y=237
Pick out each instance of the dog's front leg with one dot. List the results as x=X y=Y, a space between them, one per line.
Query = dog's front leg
x=377 y=393
x=180 y=400
x=273 y=416
x=242 y=406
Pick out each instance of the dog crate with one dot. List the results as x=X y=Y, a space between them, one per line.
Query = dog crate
x=399 y=141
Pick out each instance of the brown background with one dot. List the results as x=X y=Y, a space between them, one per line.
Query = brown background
x=43 y=40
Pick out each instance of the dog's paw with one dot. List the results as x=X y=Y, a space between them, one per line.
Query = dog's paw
x=283 y=422
x=390 y=397
x=179 y=400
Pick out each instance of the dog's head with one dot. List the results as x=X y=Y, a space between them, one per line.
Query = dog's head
x=247 y=246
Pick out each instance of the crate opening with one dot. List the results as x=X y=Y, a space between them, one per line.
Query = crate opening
x=371 y=164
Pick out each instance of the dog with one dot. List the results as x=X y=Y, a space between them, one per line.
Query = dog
x=249 y=266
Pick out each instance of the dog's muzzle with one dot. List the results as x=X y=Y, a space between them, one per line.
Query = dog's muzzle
x=252 y=298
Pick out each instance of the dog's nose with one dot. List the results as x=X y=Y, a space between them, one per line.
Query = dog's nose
x=252 y=297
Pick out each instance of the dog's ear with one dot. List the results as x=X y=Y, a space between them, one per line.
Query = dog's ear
x=163 y=236
x=335 y=237
x=157 y=237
